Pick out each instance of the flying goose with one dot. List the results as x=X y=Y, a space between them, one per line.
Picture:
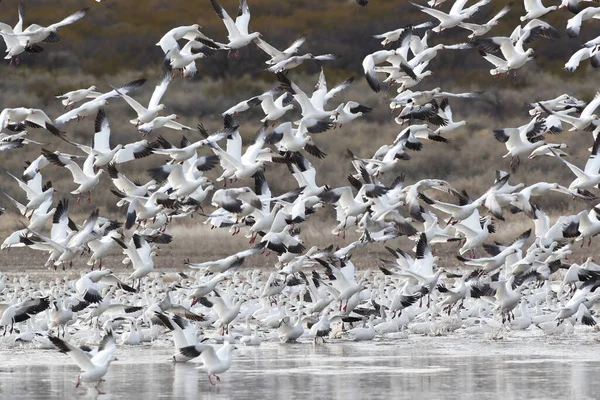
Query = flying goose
x=92 y=368
x=276 y=55
x=237 y=32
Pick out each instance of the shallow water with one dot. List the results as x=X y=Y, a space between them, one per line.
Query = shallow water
x=416 y=367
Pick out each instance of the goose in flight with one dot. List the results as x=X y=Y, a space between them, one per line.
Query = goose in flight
x=36 y=193
x=29 y=117
x=214 y=362
x=480 y=30
x=574 y=24
x=314 y=118
x=586 y=120
x=237 y=32
x=583 y=54
x=295 y=61
x=184 y=59
x=521 y=140
x=535 y=9
x=75 y=96
x=395 y=35
x=19 y=40
x=100 y=147
x=189 y=33
x=590 y=175
x=514 y=54
x=455 y=16
x=147 y=114
x=92 y=106
x=14 y=46
x=35 y=33
x=87 y=178
x=278 y=56
x=92 y=368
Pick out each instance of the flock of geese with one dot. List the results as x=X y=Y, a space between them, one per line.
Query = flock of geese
x=315 y=293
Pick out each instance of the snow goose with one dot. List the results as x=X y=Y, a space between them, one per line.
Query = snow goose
x=319 y=329
x=574 y=24
x=445 y=112
x=103 y=154
x=228 y=311
x=500 y=254
x=93 y=368
x=426 y=96
x=346 y=204
x=251 y=340
x=75 y=96
x=147 y=114
x=395 y=35
x=589 y=225
x=184 y=59
x=167 y=121
x=475 y=230
x=314 y=118
x=363 y=333
x=348 y=112
x=288 y=331
x=344 y=286
x=480 y=30
x=36 y=34
x=184 y=334
x=31 y=117
x=21 y=311
x=140 y=255
x=514 y=54
x=506 y=298
x=533 y=29
x=214 y=362
x=457 y=212
x=237 y=166
x=87 y=178
x=37 y=194
x=15 y=45
x=187 y=150
x=231 y=262
x=521 y=140
x=378 y=57
x=522 y=198
x=92 y=106
x=455 y=16
x=279 y=55
x=245 y=105
x=454 y=295
x=550 y=149
x=430 y=53
x=581 y=55
x=233 y=200
x=237 y=32
x=296 y=61
x=126 y=186
x=275 y=109
x=586 y=119
x=189 y=33
x=571 y=5
x=590 y=175
x=535 y=9
x=134 y=151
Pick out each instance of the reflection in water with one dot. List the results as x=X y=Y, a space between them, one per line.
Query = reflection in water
x=425 y=367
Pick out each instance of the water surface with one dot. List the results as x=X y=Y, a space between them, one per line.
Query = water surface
x=416 y=367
